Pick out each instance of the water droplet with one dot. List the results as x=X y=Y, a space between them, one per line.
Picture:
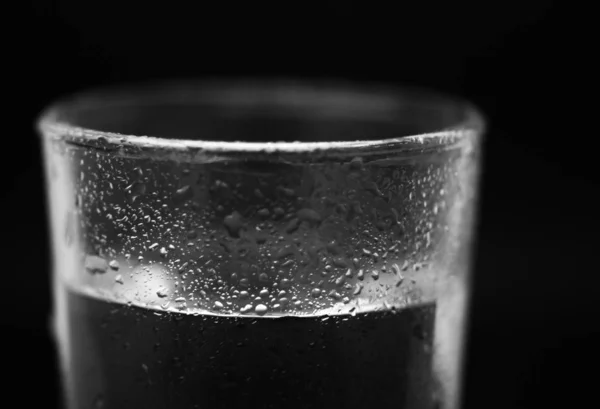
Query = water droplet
x=264 y=292
x=357 y=289
x=261 y=309
x=360 y=275
x=180 y=299
x=244 y=294
x=285 y=251
x=152 y=246
x=292 y=226
x=233 y=223
x=183 y=194
x=356 y=163
x=335 y=295
x=263 y=212
x=95 y=264
x=339 y=281
x=309 y=215
x=375 y=274
x=162 y=292
x=373 y=188
x=340 y=262
x=218 y=305
x=316 y=292
x=136 y=188
x=163 y=252
x=405 y=265
x=349 y=273
x=119 y=279
x=286 y=191
x=246 y=308
x=114 y=264
x=285 y=283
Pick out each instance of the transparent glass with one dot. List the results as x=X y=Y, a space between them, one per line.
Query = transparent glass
x=264 y=244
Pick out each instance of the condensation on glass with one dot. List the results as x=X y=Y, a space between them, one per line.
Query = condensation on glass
x=263 y=243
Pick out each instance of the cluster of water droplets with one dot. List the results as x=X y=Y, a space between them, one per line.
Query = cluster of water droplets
x=256 y=238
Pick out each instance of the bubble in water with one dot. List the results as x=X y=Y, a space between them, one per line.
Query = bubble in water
x=234 y=224
x=95 y=264
x=114 y=264
x=261 y=309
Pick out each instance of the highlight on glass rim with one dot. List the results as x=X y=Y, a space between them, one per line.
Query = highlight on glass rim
x=266 y=244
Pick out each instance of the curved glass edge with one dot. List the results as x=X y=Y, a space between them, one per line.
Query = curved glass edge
x=49 y=125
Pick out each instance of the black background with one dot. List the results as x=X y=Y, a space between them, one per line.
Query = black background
x=523 y=63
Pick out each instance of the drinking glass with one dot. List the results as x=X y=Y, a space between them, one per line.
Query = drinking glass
x=260 y=243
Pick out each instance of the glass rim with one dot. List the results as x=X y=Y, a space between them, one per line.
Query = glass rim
x=52 y=124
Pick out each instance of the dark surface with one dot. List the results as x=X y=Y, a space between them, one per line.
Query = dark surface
x=533 y=310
